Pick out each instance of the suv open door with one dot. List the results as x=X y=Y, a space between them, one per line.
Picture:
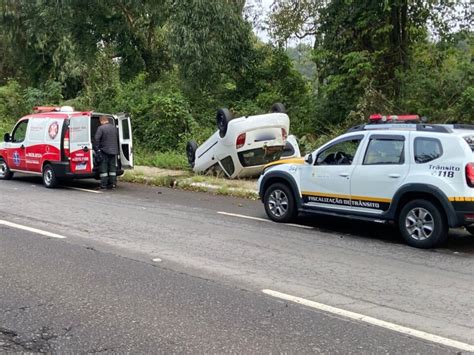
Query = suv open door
x=125 y=140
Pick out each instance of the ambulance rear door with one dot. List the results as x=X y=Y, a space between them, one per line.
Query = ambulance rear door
x=125 y=140
x=80 y=143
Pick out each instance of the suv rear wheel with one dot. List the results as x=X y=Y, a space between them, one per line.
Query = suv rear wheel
x=278 y=107
x=49 y=177
x=470 y=229
x=279 y=203
x=223 y=118
x=5 y=173
x=422 y=224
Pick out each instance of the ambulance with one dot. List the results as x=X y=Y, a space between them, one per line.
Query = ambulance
x=56 y=144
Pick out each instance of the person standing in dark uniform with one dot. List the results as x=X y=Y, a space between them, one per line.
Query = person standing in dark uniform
x=106 y=145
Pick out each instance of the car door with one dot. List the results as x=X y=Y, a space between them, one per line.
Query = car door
x=125 y=140
x=80 y=143
x=326 y=183
x=381 y=172
x=16 y=148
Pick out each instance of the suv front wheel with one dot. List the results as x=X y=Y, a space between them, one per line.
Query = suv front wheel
x=279 y=203
x=422 y=224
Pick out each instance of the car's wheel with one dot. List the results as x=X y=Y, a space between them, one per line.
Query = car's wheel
x=422 y=224
x=191 y=148
x=223 y=118
x=470 y=229
x=279 y=203
x=49 y=177
x=278 y=108
x=5 y=173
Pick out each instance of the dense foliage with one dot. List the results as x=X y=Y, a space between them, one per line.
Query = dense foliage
x=172 y=63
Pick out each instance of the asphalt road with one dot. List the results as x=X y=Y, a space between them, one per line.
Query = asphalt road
x=100 y=290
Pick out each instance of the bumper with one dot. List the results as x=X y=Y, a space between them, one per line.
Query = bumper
x=62 y=171
x=464 y=212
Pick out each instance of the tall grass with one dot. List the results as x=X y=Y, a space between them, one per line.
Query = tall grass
x=165 y=160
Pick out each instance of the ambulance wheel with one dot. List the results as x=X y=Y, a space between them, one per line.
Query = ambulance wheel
x=5 y=173
x=470 y=229
x=280 y=203
x=49 y=177
x=191 y=148
x=422 y=224
x=223 y=118
x=278 y=108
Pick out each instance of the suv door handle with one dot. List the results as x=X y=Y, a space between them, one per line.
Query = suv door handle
x=344 y=174
x=394 y=176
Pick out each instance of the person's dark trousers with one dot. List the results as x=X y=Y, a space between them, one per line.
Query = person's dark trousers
x=108 y=171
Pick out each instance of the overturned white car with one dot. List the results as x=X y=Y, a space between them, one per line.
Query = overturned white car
x=242 y=146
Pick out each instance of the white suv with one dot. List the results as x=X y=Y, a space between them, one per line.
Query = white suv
x=395 y=169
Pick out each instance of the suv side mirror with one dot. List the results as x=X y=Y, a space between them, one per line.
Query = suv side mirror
x=308 y=159
x=7 y=137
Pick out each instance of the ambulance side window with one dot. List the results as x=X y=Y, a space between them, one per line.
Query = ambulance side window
x=19 y=133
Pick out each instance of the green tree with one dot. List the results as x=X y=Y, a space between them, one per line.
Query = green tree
x=209 y=40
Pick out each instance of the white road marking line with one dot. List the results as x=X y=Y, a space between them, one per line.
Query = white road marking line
x=262 y=219
x=84 y=190
x=33 y=230
x=374 y=321
x=157 y=260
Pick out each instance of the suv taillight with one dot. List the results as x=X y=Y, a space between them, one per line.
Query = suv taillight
x=470 y=174
x=66 y=143
x=239 y=143
x=284 y=134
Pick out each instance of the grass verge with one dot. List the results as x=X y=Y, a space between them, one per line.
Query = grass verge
x=164 y=160
x=202 y=183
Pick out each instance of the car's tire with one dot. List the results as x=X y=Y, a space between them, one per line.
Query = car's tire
x=279 y=203
x=278 y=107
x=49 y=177
x=223 y=118
x=191 y=148
x=422 y=224
x=5 y=172
x=470 y=229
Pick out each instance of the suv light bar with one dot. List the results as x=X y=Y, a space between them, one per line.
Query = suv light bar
x=378 y=118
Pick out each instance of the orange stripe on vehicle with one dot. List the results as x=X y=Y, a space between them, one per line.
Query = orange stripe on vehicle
x=322 y=194
x=461 y=199
x=372 y=199
x=285 y=161
x=362 y=198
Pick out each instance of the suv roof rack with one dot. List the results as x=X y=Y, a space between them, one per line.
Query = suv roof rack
x=463 y=126
x=402 y=126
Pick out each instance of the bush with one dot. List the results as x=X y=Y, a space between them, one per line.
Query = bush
x=160 y=113
x=12 y=103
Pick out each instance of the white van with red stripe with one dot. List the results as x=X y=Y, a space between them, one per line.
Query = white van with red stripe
x=56 y=143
